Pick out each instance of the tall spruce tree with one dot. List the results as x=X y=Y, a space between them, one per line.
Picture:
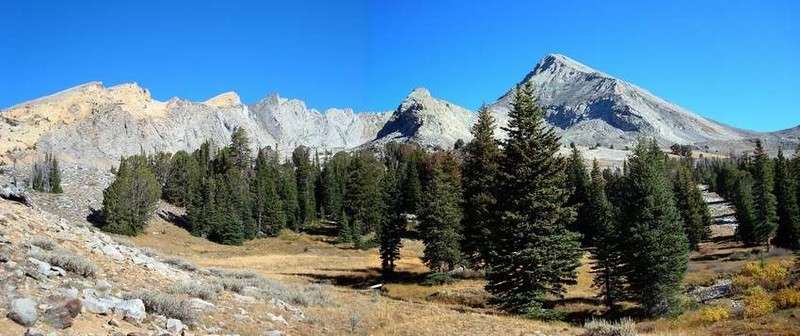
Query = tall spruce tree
x=363 y=199
x=287 y=190
x=267 y=205
x=609 y=269
x=658 y=251
x=534 y=254
x=304 y=172
x=55 y=175
x=412 y=191
x=764 y=199
x=240 y=154
x=788 y=232
x=479 y=177
x=393 y=223
x=130 y=201
x=745 y=208
x=184 y=181
x=440 y=217
x=578 y=182
x=692 y=207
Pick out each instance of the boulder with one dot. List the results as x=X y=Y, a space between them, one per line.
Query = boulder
x=131 y=309
x=23 y=311
x=97 y=306
x=174 y=326
x=15 y=193
x=200 y=304
x=61 y=316
x=721 y=288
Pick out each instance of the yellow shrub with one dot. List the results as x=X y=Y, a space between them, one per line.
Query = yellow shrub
x=757 y=302
x=713 y=314
x=788 y=298
x=771 y=275
x=741 y=283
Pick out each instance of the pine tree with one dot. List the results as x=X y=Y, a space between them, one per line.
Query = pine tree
x=608 y=247
x=480 y=176
x=199 y=211
x=228 y=225
x=55 y=175
x=393 y=223
x=287 y=190
x=692 y=207
x=657 y=246
x=534 y=252
x=334 y=181
x=241 y=156
x=745 y=208
x=363 y=199
x=412 y=192
x=130 y=201
x=764 y=200
x=184 y=182
x=577 y=183
x=788 y=232
x=305 y=184
x=267 y=205
x=440 y=219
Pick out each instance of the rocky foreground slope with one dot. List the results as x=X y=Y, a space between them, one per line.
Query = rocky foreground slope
x=96 y=124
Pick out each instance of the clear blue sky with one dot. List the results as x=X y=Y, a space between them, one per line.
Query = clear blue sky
x=733 y=61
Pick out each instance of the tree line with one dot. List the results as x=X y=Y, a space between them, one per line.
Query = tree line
x=514 y=208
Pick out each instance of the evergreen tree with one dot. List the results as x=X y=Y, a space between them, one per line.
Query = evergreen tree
x=267 y=205
x=764 y=200
x=692 y=207
x=200 y=210
x=333 y=181
x=745 y=208
x=608 y=247
x=363 y=198
x=788 y=232
x=55 y=175
x=184 y=181
x=305 y=184
x=227 y=224
x=534 y=252
x=240 y=154
x=393 y=223
x=577 y=183
x=130 y=201
x=657 y=246
x=412 y=192
x=440 y=220
x=480 y=176
x=287 y=190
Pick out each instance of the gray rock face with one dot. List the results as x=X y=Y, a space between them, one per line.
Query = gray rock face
x=23 y=311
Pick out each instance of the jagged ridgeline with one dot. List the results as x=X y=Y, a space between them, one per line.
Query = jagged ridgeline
x=97 y=125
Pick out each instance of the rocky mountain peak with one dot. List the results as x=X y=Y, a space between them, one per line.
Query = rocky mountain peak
x=419 y=92
x=225 y=99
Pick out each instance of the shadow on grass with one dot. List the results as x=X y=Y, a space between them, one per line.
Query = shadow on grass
x=363 y=279
x=178 y=220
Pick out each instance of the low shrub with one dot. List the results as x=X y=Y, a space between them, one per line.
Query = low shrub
x=757 y=302
x=68 y=261
x=164 y=304
x=598 y=327
x=713 y=314
x=435 y=279
x=196 y=289
x=43 y=243
x=313 y=295
x=181 y=264
x=768 y=275
x=787 y=298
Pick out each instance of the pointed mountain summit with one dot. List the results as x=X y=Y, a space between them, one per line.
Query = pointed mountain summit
x=589 y=107
x=428 y=121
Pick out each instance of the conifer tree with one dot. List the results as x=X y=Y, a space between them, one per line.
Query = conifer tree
x=200 y=210
x=55 y=175
x=363 y=198
x=692 y=207
x=393 y=223
x=577 y=183
x=333 y=180
x=267 y=205
x=534 y=252
x=657 y=246
x=788 y=232
x=763 y=199
x=228 y=224
x=480 y=176
x=608 y=247
x=240 y=153
x=440 y=219
x=287 y=190
x=305 y=184
x=412 y=192
x=745 y=208
x=184 y=181
x=130 y=201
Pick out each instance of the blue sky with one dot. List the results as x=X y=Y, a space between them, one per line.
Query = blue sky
x=733 y=61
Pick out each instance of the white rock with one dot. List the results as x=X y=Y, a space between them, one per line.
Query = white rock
x=277 y=318
x=131 y=309
x=174 y=326
x=23 y=311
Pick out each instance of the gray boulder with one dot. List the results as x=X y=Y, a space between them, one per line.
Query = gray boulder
x=720 y=289
x=62 y=315
x=131 y=309
x=23 y=311
x=174 y=326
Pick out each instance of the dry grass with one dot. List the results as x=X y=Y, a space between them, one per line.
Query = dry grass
x=757 y=303
x=68 y=261
x=181 y=264
x=713 y=314
x=196 y=289
x=623 y=327
x=43 y=243
x=164 y=304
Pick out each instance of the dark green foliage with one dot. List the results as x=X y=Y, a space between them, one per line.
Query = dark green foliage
x=577 y=183
x=240 y=154
x=267 y=205
x=363 y=200
x=301 y=157
x=657 y=246
x=693 y=209
x=609 y=270
x=745 y=208
x=412 y=191
x=393 y=222
x=162 y=166
x=130 y=201
x=183 y=182
x=438 y=279
x=287 y=190
x=681 y=150
x=535 y=254
x=763 y=199
x=229 y=219
x=46 y=175
x=479 y=177
x=788 y=232
x=333 y=181
x=440 y=216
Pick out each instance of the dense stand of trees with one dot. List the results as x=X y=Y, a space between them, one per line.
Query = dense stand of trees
x=46 y=175
x=516 y=208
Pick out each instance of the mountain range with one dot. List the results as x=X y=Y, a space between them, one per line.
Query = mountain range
x=98 y=124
